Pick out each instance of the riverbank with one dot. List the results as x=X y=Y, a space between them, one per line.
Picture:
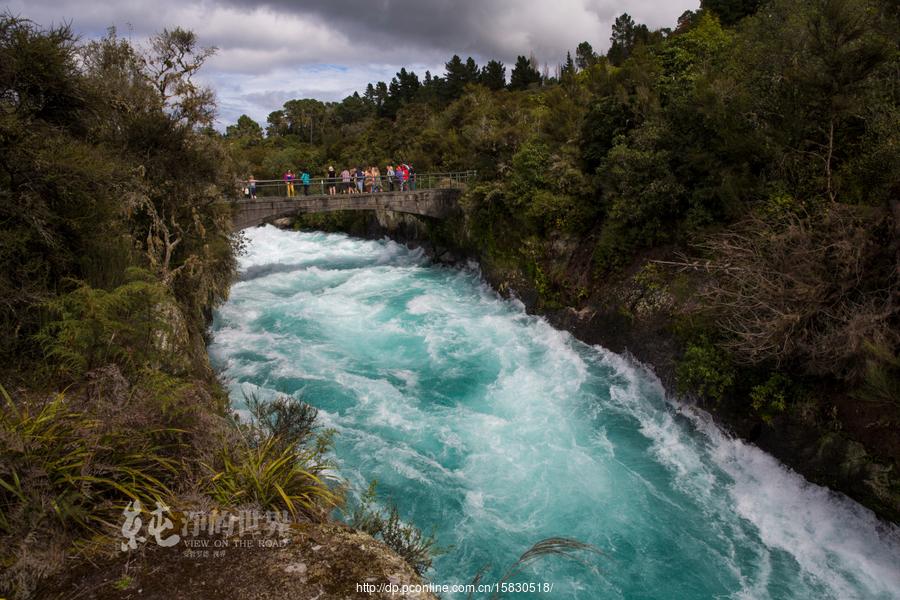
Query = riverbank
x=313 y=560
x=646 y=311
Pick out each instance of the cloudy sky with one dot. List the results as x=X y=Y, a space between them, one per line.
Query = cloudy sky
x=272 y=51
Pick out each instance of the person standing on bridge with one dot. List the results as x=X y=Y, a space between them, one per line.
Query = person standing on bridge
x=404 y=174
x=398 y=175
x=289 y=182
x=304 y=179
x=376 y=179
x=412 y=177
x=360 y=180
x=345 y=181
x=332 y=181
x=390 y=177
x=251 y=187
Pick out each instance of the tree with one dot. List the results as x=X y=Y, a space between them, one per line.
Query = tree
x=569 y=66
x=471 y=71
x=458 y=76
x=818 y=74
x=246 y=129
x=352 y=109
x=585 y=57
x=277 y=124
x=403 y=89
x=173 y=60
x=305 y=117
x=730 y=11
x=454 y=78
x=625 y=34
x=687 y=20
x=493 y=75
x=567 y=71
x=524 y=74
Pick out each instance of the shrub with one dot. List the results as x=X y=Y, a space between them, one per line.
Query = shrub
x=814 y=292
x=405 y=539
x=274 y=475
x=291 y=421
x=56 y=463
x=530 y=169
x=408 y=541
x=770 y=399
x=278 y=463
x=93 y=327
x=705 y=370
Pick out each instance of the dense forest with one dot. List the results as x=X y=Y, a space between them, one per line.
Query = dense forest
x=116 y=246
x=744 y=162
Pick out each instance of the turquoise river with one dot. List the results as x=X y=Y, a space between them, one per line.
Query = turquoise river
x=498 y=430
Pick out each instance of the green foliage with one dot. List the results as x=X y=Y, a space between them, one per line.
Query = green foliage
x=115 y=250
x=408 y=541
x=493 y=75
x=364 y=515
x=123 y=583
x=553 y=211
x=705 y=370
x=819 y=74
x=730 y=11
x=642 y=197
x=781 y=208
x=771 y=398
x=290 y=420
x=58 y=463
x=92 y=327
x=279 y=463
x=103 y=169
x=625 y=35
x=246 y=130
x=524 y=75
x=607 y=119
x=530 y=168
x=695 y=52
x=585 y=57
x=274 y=475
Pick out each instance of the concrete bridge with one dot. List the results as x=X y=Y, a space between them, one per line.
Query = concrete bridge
x=436 y=196
x=438 y=203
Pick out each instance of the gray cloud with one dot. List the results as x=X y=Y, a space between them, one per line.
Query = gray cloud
x=486 y=29
x=273 y=50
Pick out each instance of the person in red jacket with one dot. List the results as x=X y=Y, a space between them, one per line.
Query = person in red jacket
x=405 y=170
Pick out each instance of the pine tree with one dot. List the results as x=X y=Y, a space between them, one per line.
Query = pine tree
x=568 y=69
x=585 y=56
x=625 y=35
x=524 y=74
x=493 y=75
x=730 y=11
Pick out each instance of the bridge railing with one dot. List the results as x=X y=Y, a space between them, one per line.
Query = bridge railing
x=321 y=185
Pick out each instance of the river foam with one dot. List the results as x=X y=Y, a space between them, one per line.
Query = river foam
x=498 y=430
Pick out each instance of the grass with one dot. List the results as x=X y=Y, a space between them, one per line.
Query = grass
x=59 y=463
x=274 y=475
